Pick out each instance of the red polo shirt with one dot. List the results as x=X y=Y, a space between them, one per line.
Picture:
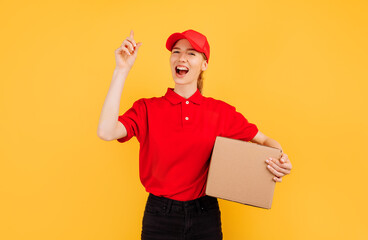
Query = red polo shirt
x=176 y=137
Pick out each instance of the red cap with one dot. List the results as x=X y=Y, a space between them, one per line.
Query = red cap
x=197 y=40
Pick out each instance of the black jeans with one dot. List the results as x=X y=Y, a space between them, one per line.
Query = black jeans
x=167 y=219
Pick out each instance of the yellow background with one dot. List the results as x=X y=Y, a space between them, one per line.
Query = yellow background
x=298 y=69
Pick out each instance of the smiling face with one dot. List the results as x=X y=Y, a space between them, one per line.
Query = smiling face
x=185 y=57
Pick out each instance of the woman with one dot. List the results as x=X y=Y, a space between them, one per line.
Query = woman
x=176 y=133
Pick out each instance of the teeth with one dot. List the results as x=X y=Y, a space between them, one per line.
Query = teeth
x=182 y=68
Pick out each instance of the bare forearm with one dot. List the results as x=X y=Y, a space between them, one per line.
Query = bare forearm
x=110 y=109
x=272 y=143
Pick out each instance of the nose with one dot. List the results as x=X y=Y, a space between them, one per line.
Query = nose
x=182 y=57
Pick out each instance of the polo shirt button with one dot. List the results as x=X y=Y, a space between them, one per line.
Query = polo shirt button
x=186 y=118
x=187 y=102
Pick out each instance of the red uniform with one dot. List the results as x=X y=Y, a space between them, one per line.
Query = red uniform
x=176 y=137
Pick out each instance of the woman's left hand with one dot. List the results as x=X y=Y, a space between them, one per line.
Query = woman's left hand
x=279 y=167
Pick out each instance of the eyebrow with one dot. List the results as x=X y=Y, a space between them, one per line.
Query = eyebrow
x=187 y=49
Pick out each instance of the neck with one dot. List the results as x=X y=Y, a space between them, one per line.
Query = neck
x=186 y=91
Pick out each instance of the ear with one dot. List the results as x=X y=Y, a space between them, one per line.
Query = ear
x=204 y=65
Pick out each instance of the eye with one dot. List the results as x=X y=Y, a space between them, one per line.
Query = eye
x=175 y=51
x=192 y=54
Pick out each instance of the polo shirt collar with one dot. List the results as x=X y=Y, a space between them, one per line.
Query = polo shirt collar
x=175 y=98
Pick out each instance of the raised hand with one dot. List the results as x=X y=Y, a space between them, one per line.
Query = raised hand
x=126 y=54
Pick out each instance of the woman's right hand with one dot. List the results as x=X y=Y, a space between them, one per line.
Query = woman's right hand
x=126 y=54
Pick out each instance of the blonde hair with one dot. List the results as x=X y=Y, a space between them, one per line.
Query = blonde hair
x=200 y=77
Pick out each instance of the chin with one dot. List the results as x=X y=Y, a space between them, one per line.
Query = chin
x=182 y=81
x=179 y=82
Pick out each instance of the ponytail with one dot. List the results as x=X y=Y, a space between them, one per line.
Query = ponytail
x=200 y=78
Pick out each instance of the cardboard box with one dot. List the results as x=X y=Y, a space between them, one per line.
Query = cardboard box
x=238 y=172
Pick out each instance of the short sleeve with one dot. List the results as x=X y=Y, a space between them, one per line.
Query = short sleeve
x=135 y=121
x=237 y=126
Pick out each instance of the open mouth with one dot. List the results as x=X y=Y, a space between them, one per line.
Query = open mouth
x=181 y=71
